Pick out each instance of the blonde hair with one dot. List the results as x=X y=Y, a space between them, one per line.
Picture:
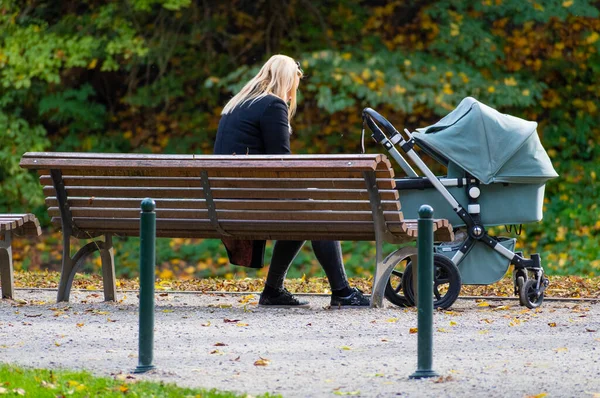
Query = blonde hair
x=279 y=76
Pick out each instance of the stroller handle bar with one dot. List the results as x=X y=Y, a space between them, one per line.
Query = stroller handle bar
x=370 y=116
x=407 y=146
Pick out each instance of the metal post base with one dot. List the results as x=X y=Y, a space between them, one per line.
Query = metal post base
x=143 y=368
x=422 y=374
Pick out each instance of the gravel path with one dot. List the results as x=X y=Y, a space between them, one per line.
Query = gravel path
x=215 y=341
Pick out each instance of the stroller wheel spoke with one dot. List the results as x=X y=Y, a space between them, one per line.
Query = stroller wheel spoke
x=436 y=293
x=397 y=273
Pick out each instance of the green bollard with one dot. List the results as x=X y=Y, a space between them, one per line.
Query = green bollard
x=424 y=294
x=147 y=276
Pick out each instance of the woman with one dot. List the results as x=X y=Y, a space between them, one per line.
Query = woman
x=257 y=121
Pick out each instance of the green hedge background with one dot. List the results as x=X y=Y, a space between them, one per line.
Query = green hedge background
x=152 y=75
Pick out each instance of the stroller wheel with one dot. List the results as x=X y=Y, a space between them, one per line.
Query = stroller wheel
x=446 y=282
x=393 y=288
x=530 y=296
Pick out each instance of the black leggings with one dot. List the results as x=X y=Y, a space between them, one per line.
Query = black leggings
x=328 y=252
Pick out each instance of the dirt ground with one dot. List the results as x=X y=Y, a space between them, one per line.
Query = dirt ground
x=491 y=348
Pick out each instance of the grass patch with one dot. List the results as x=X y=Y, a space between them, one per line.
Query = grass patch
x=17 y=381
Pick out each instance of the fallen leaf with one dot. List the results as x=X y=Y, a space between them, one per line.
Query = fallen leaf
x=80 y=325
x=442 y=330
x=216 y=352
x=32 y=315
x=346 y=348
x=590 y=330
x=45 y=384
x=167 y=310
x=413 y=330
x=207 y=323
x=552 y=324
x=236 y=359
x=392 y=320
x=483 y=304
x=241 y=324
x=561 y=349
x=443 y=379
x=540 y=395
x=230 y=320
x=484 y=331
x=338 y=392
x=487 y=320
x=261 y=362
x=220 y=344
x=452 y=323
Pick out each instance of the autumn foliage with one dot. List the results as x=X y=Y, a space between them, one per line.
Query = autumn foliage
x=153 y=75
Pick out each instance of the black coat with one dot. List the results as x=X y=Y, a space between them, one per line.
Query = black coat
x=258 y=127
x=255 y=128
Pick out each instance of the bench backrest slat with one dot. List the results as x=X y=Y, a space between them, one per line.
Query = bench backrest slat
x=288 y=196
x=226 y=204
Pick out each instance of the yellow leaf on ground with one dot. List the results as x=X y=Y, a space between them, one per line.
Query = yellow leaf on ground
x=452 y=323
x=561 y=349
x=413 y=330
x=261 y=362
x=483 y=304
x=552 y=324
x=346 y=348
x=392 y=320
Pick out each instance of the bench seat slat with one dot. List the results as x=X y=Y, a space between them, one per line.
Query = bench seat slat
x=20 y=224
x=333 y=215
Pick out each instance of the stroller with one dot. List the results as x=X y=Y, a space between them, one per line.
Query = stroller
x=496 y=174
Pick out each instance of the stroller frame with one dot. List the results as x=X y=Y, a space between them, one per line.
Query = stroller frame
x=530 y=291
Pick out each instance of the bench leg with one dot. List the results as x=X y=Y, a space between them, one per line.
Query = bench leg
x=6 y=267
x=109 y=281
x=70 y=265
x=384 y=270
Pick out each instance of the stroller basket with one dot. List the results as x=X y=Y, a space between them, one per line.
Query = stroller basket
x=483 y=265
x=501 y=204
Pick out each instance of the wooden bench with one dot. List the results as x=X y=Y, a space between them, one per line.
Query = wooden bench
x=13 y=225
x=294 y=197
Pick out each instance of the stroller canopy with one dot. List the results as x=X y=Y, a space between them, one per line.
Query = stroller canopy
x=489 y=145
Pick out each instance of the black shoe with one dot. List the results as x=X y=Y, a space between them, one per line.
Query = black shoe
x=356 y=299
x=284 y=299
